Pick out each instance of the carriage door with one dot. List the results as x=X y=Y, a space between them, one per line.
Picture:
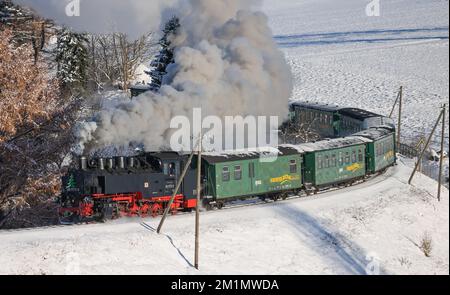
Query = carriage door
x=251 y=175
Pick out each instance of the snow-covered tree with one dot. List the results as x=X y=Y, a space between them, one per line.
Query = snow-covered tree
x=72 y=59
x=35 y=134
x=11 y=13
x=165 y=56
x=25 y=25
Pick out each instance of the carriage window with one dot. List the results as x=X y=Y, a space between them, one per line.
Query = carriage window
x=333 y=161
x=293 y=166
x=237 y=173
x=341 y=159
x=360 y=156
x=354 y=158
x=319 y=161
x=347 y=158
x=225 y=174
x=327 y=162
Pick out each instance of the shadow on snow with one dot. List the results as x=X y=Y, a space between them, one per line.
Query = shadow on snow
x=327 y=243
x=369 y=36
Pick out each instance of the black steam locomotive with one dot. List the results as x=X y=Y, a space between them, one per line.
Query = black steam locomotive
x=102 y=189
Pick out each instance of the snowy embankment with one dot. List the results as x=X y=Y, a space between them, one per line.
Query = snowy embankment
x=333 y=233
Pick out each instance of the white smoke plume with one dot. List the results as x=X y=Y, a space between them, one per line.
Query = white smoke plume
x=226 y=62
x=134 y=17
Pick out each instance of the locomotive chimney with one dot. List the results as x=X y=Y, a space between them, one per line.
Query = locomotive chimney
x=120 y=162
x=110 y=163
x=101 y=164
x=130 y=162
x=83 y=163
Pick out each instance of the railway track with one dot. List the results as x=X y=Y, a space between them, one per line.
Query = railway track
x=229 y=206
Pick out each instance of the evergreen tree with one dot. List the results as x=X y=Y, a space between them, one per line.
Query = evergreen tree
x=10 y=13
x=165 y=56
x=72 y=59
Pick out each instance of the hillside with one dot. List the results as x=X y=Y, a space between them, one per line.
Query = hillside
x=333 y=233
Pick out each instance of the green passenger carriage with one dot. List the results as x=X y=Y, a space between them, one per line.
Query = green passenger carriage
x=334 y=162
x=252 y=174
x=381 y=150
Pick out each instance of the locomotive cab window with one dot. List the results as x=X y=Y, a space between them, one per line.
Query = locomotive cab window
x=225 y=174
x=293 y=166
x=172 y=169
x=237 y=173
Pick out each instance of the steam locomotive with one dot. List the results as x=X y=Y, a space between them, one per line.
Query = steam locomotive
x=142 y=185
x=101 y=189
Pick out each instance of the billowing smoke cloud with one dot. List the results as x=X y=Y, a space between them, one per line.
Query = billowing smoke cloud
x=133 y=17
x=226 y=62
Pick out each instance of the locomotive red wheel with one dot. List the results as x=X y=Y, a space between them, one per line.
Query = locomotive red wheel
x=157 y=210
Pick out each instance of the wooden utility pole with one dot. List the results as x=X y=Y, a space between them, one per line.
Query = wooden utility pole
x=197 y=209
x=426 y=147
x=166 y=212
x=396 y=101
x=399 y=101
x=400 y=109
x=419 y=148
x=441 y=159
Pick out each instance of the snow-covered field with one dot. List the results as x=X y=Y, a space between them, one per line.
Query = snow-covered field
x=381 y=221
x=339 y=55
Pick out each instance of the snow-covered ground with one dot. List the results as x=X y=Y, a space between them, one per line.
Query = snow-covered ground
x=381 y=221
x=339 y=55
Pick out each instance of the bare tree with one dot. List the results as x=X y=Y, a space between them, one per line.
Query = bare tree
x=115 y=59
x=296 y=133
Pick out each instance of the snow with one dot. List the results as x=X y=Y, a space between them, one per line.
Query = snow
x=338 y=55
x=331 y=233
x=141 y=75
